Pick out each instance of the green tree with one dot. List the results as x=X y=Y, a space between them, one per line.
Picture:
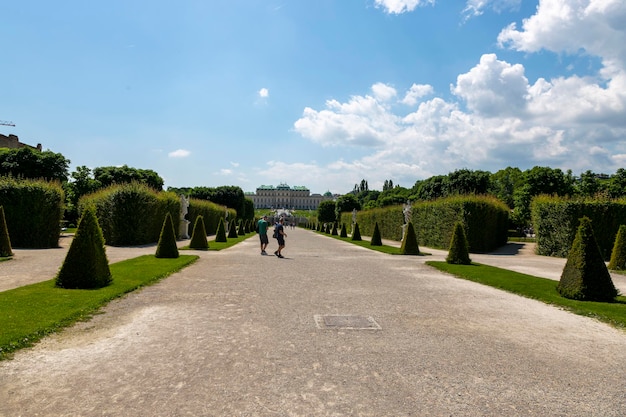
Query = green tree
x=85 y=265
x=617 y=184
x=30 y=163
x=5 y=241
x=585 y=275
x=465 y=181
x=504 y=183
x=459 y=248
x=198 y=236
x=229 y=196
x=346 y=203
x=167 y=248
x=326 y=211
x=618 y=254
x=120 y=175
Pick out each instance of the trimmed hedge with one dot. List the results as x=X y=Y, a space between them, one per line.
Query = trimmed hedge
x=556 y=219
x=132 y=214
x=618 y=255
x=198 y=236
x=459 y=252
x=486 y=221
x=211 y=213
x=33 y=211
x=409 y=242
x=5 y=240
x=166 y=248
x=376 y=239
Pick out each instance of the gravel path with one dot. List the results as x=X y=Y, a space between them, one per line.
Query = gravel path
x=239 y=334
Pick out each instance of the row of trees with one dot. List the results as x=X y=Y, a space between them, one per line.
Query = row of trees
x=513 y=186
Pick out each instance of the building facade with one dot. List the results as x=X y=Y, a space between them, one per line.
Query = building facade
x=13 y=142
x=284 y=196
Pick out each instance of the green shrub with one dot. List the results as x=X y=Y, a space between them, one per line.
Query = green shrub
x=232 y=230
x=618 y=254
x=220 y=234
x=33 y=211
x=409 y=243
x=211 y=213
x=585 y=276
x=85 y=265
x=166 y=248
x=5 y=241
x=459 y=250
x=241 y=231
x=376 y=239
x=198 y=236
x=356 y=234
x=344 y=231
x=334 y=230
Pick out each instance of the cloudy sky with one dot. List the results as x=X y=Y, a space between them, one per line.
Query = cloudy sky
x=318 y=93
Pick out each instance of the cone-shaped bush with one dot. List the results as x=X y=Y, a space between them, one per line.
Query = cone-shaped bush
x=409 y=243
x=241 y=230
x=356 y=234
x=344 y=231
x=334 y=231
x=220 y=234
x=5 y=241
x=232 y=230
x=376 y=239
x=166 y=248
x=585 y=276
x=459 y=248
x=618 y=255
x=198 y=236
x=85 y=265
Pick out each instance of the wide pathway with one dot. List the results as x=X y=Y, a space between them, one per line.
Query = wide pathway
x=332 y=330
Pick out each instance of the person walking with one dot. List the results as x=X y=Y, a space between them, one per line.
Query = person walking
x=279 y=233
x=262 y=229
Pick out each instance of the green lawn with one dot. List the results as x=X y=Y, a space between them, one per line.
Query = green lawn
x=29 y=313
x=365 y=243
x=216 y=246
x=541 y=289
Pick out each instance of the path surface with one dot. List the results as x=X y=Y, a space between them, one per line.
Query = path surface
x=239 y=334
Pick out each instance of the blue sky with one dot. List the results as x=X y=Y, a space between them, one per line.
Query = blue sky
x=318 y=93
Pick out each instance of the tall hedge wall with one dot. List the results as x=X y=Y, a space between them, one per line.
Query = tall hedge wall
x=211 y=212
x=33 y=210
x=485 y=219
x=131 y=214
x=556 y=220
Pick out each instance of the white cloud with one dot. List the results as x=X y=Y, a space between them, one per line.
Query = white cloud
x=383 y=92
x=179 y=153
x=264 y=93
x=475 y=8
x=416 y=92
x=401 y=6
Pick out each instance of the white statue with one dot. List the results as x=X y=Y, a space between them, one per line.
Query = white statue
x=183 y=226
x=353 y=216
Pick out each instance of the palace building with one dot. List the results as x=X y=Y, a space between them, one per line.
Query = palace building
x=284 y=196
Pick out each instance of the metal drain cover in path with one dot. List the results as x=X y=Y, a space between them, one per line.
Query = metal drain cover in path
x=349 y=322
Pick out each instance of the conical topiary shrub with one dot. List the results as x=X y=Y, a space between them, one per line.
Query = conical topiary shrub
x=334 y=232
x=85 y=265
x=344 y=231
x=356 y=234
x=459 y=248
x=166 y=248
x=232 y=230
x=198 y=236
x=409 y=243
x=241 y=230
x=220 y=234
x=585 y=276
x=376 y=239
x=5 y=241
x=618 y=255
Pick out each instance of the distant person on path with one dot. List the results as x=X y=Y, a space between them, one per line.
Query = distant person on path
x=262 y=229
x=280 y=235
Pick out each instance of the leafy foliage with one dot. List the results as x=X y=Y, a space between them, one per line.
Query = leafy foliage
x=107 y=176
x=167 y=248
x=232 y=229
x=86 y=265
x=5 y=241
x=198 y=236
x=334 y=229
x=33 y=211
x=618 y=254
x=344 y=231
x=30 y=163
x=585 y=276
x=409 y=243
x=326 y=211
x=459 y=250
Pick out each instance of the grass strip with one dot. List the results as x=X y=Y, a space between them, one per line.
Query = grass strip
x=541 y=289
x=216 y=246
x=390 y=250
x=29 y=313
